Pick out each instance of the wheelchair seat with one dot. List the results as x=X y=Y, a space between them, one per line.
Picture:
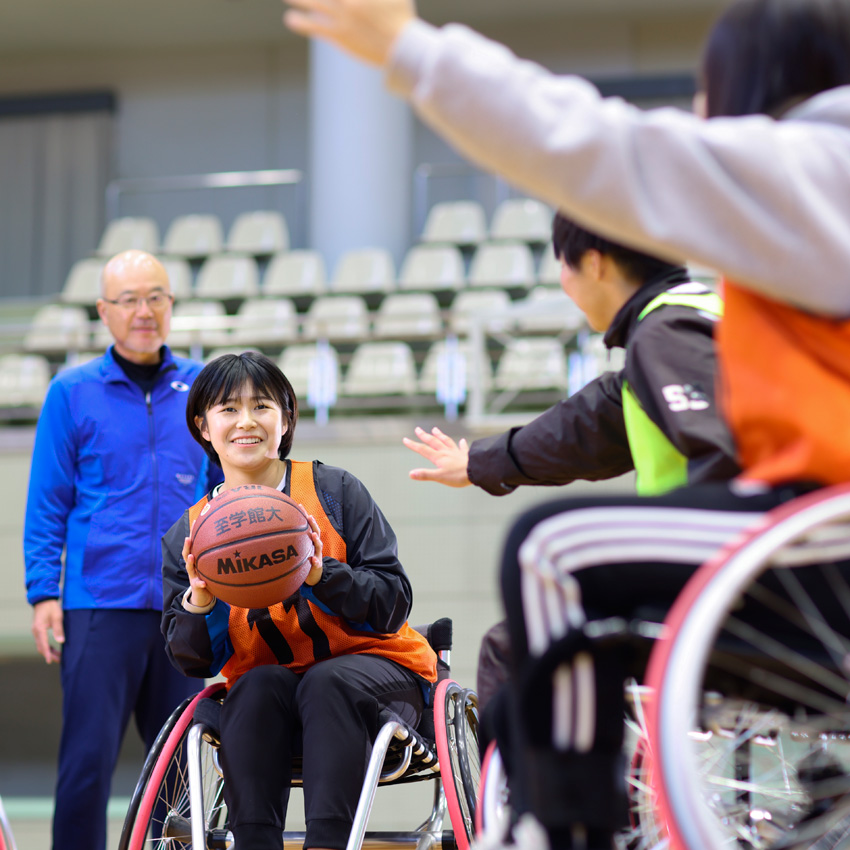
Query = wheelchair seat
x=179 y=799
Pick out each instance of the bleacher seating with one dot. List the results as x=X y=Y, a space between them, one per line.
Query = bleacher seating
x=121 y=234
x=408 y=315
x=295 y=273
x=259 y=232
x=523 y=220
x=298 y=363
x=23 y=381
x=536 y=363
x=492 y=303
x=462 y=223
x=429 y=375
x=557 y=313
x=432 y=268
x=198 y=321
x=265 y=322
x=228 y=276
x=506 y=264
x=193 y=237
x=82 y=285
x=549 y=269
x=57 y=329
x=381 y=369
x=340 y=317
x=365 y=270
x=179 y=276
x=250 y=291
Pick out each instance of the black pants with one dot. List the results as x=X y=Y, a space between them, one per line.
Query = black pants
x=570 y=561
x=330 y=713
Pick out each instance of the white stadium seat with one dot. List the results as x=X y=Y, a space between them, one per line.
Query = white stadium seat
x=58 y=328
x=507 y=264
x=259 y=232
x=23 y=380
x=364 y=270
x=493 y=304
x=82 y=286
x=121 y=234
x=337 y=317
x=199 y=322
x=193 y=237
x=295 y=273
x=432 y=267
x=299 y=362
x=551 y=312
x=405 y=315
x=179 y=276
x=381 y=368
x=265 y=321
x=228 y=276
x=429 y=376
x=536 y=363
x=456 y=223
x=522 y=219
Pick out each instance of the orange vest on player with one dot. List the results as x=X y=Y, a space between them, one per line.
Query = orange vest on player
x=297 y=633
x=785 y=385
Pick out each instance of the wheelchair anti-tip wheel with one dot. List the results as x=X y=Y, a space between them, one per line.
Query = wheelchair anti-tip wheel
x=159 y=816
x=456 y=727
x=750 y=725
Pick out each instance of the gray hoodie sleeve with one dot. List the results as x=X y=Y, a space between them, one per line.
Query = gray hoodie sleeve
x=765 y=202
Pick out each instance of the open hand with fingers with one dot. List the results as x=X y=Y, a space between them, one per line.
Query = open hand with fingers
x=450 y=459
x=365 y=28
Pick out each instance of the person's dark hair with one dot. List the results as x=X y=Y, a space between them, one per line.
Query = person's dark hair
x=763 y=56
x=572 y=242
x=224 y=378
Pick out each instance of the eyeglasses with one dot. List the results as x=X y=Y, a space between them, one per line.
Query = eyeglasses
x=156 y=301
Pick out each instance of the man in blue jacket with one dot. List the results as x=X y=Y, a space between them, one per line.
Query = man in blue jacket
x=113 y=467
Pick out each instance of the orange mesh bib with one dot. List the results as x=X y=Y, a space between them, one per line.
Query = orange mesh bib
x=297 y=633
x=785 y=384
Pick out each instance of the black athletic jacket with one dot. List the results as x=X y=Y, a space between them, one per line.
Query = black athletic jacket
x=372 y=588
x=584 y=436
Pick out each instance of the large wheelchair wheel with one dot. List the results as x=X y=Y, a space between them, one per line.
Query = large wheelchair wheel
x=159 y=814
x=750 y=725
x=493 y=808
x=456 y=728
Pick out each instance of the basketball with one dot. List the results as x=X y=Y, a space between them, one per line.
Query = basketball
x=252 y=546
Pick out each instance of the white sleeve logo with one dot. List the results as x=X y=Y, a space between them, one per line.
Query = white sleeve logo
x=681 y=397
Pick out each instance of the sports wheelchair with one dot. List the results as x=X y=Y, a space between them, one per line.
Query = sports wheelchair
x=740 y=734
x=179 y=802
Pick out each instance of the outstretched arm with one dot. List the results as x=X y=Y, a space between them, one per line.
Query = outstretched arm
x=365 y=28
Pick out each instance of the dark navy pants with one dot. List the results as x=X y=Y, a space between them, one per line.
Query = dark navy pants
x=113 y=665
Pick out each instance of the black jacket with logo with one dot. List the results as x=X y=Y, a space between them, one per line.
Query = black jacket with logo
x=584 y=436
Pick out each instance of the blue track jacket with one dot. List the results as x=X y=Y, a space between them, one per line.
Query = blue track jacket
x=111 y=472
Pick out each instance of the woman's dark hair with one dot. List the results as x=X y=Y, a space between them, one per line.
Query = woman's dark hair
x=572 y=242
x=763 y=56
x=224 y=377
